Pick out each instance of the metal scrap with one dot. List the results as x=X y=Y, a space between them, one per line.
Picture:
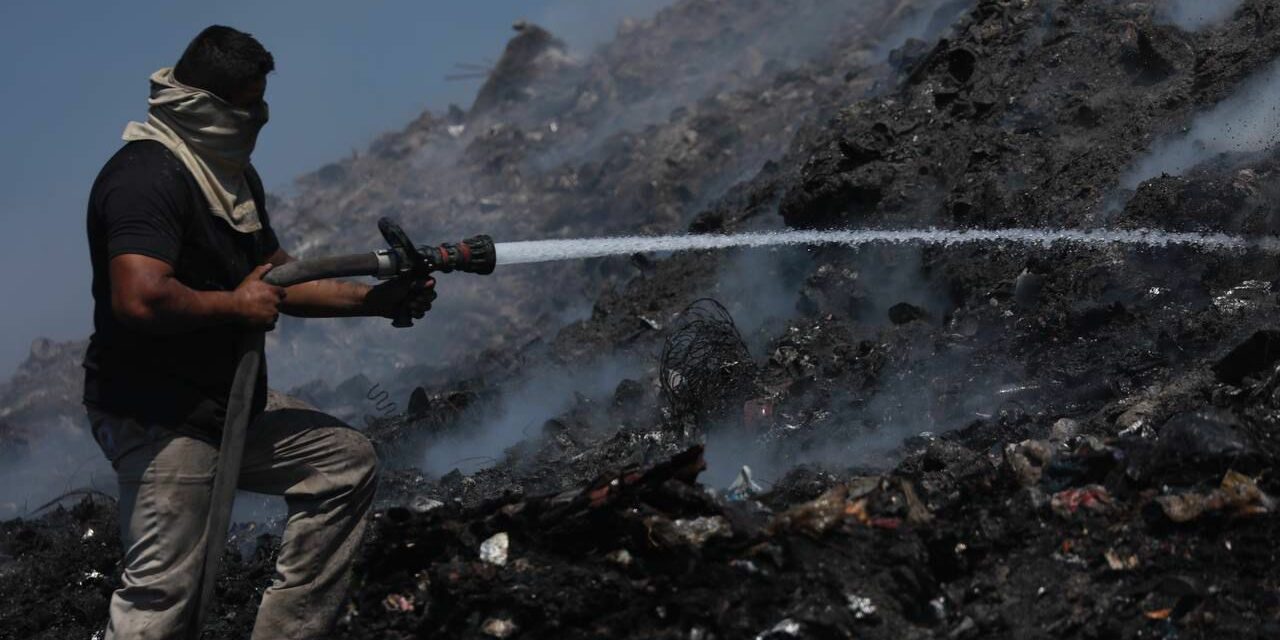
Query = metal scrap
x=706 y=369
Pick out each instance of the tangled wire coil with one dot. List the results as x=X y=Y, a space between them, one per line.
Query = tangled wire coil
x=706 y=369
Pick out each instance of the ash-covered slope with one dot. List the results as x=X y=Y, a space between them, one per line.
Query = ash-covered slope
x=636 y=137
x=1035 y=443
x=44 y=385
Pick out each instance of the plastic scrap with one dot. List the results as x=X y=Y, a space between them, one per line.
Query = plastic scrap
x=1238 y=495
x=423 y=504
x=93 y=575
x=1028 y=459
x=1118 y=562
x=696 y=531
x=499 y=628
x=620 y=557
x=860 y=606
x=1064 y=429
x=494 y=550
x=744 y=487
x=1093 y=498
x=397 y=603
x=787 y=627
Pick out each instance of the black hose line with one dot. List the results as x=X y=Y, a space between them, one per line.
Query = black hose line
x=239 y=406
x=297 y=272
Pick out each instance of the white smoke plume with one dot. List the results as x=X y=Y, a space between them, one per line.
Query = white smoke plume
x=583 y=24
x=1248 y=121
x=1194 y=15
x=487 y=431
x=60 y=458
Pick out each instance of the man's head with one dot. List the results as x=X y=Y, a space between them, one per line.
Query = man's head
x=228 y=63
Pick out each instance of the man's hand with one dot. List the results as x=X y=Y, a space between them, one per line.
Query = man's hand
x=257 y=302
x=339 y=299
x=390 y=297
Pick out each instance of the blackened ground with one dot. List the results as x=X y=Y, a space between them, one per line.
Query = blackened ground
x=1097 y=475
x=57 y=572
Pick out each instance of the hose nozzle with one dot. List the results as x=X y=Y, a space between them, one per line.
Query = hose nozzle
x=473 y=255
x=403 y=259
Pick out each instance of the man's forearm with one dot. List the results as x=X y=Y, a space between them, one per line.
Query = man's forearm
x=327 y=299
x=145 y=294
x=173 y=307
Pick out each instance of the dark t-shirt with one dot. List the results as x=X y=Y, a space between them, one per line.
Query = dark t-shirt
x=146 y=202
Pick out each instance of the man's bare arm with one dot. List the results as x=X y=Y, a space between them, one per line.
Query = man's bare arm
x=146 y=295
x=338 y=298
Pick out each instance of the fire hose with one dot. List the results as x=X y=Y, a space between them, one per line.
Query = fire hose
x=401 y=260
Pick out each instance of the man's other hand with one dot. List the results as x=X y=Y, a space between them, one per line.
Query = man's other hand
x=390 y=297
x=257 y=302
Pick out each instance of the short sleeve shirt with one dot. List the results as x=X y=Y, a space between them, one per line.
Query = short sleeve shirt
x=146 y=202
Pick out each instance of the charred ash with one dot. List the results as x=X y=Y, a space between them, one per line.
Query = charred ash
x=949 y=442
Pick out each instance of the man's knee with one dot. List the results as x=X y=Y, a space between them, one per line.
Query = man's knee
x=355 y=471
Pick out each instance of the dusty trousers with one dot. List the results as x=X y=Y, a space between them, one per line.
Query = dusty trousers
x=327 y=473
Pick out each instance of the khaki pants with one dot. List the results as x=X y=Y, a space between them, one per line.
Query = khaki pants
x=325 y=470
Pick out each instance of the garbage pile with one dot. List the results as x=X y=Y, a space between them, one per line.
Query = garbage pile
x=1063 y=442
x=1154 y=516
x=1078 y=531
x=636 y=137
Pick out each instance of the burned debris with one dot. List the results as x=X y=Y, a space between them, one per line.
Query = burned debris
x=530 y=54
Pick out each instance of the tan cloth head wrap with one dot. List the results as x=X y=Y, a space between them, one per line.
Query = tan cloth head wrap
x=212 y=138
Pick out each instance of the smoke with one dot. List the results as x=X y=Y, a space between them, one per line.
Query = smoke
x=584 y=24
x=519 y=413
x=325 y=354
x=865 y=432
x=1248 y=121
x=924 y=21
x=728 y=450
x=1193 y=15
x=60 y=457
x=760 y=289
x=706 y=64
x=888 y=278
x=848 y=429
x=677 y=72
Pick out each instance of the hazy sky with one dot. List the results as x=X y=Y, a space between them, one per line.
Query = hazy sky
x=75 y=71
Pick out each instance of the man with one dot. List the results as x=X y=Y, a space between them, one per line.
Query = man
x=180 y=241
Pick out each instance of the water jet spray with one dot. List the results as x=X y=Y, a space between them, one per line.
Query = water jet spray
x=575 y=249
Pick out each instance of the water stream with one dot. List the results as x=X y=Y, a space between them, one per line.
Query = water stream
x=573 y=249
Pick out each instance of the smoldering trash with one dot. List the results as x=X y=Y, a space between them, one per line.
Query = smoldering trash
x=963 y=441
